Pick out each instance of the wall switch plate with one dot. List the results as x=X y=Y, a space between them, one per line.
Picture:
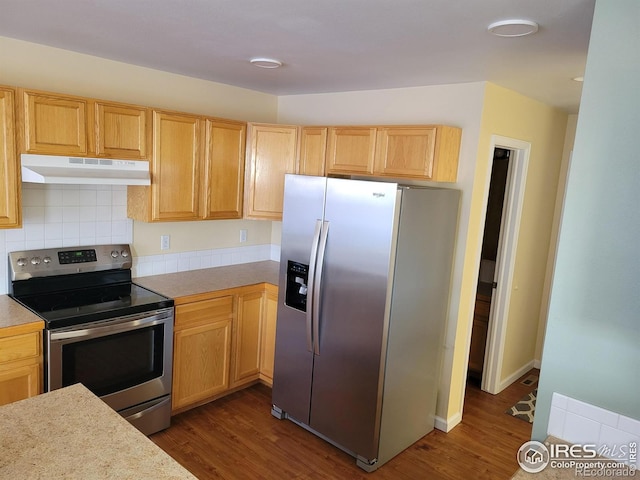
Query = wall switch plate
x=164 y=242
x=243 y=235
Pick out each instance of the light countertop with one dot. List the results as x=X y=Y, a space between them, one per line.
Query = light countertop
x=193 y=282
x=72 y=434
x=16 y=319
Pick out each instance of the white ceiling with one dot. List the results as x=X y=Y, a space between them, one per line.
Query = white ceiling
x=325 y=45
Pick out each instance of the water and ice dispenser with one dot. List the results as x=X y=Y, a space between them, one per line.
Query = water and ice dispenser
x=296 y=290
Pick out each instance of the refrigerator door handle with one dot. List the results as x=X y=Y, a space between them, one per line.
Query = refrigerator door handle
x=311 y=283
x=318 y=286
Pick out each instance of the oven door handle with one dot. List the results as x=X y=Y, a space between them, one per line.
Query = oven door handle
x=114 y=326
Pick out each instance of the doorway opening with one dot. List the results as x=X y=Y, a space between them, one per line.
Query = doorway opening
x=503 y=269
x=488 y=258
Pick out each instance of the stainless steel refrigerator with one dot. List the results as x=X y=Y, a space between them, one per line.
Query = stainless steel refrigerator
x=365 y=275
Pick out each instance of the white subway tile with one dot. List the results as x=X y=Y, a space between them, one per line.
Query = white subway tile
x=578 y=429
x=88 y=197
x=53 y=231
x=70 y=231
x=629 y=425
x=556 y=422
x=34 y=244
x=33 y=215
x=71 y=214
x=103 y=198
x=70 y=198
x=103 y=212
x=34 y=233
x=53 y=197
x=87 y=213
x=53 y=214
x=592 y=412
x=33 y=198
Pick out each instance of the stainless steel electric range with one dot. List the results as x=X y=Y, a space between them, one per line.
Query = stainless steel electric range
x=101 y=329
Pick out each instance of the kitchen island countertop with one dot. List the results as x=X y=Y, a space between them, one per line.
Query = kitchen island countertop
x=193 y=282
x=72 y=434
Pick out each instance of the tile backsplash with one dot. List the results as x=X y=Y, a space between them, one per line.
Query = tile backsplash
x=578 y=422
x=73 y=215
x=67 y=215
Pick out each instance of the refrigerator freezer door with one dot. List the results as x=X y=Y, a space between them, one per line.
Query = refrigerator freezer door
x=302 y=211
x=346 y=393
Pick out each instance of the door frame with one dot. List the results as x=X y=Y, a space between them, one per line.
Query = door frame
x=505 y=262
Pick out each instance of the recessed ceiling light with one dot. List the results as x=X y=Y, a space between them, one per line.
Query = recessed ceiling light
x=513 y=28
x=266 y=62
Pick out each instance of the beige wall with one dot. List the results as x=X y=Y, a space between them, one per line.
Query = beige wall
x=509 y=114
x=24 y=64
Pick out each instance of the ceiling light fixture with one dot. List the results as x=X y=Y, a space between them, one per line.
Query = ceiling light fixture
x=266 y=62
x=513 y=28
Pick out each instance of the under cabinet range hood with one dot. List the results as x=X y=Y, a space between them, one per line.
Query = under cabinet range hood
x=82 y=171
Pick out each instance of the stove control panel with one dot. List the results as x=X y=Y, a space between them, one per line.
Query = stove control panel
x=66 y=260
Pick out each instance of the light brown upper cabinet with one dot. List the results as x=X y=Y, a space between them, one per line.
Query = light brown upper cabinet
x=55 y=124
x=176 y=166
x=350 y=150
x=10 y=211
x=224 y=167
x=272 y=152
x=121 y=131
x=313 y=150
x=197 y=170
x=421 y=152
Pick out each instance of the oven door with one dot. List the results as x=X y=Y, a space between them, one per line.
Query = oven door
x=126 y=361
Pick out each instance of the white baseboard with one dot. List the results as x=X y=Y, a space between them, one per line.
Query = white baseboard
x=537 y=364
x=516 y=375
x=446 y=425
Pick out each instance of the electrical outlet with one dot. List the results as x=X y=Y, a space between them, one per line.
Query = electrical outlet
x=243 y=235
x=164 y=242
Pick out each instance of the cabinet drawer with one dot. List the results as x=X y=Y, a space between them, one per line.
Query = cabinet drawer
x=202 y=312
x=19 y=347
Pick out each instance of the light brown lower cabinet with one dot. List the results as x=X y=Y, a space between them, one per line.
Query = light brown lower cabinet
x=20 y=367
x=202 y=348
x=220 y=344
x=268 y=348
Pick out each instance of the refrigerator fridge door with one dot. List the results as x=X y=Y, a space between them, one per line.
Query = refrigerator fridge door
x=303 y=212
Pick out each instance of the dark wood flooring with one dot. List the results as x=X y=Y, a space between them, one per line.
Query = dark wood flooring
x=237 y=438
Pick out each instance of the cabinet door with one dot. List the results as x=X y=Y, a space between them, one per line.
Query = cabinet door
x=53 y=124
x=224 y=166
x=405 y=151
x=121 y=131
x=10 y=211
x=268 y=348
x=20 y=358
x=351 y=150
x=202 y=350
x=313 y=150
x=176 y=166
x=421 y=152
x=272 y=154
x=18 y=382
x=246 y=365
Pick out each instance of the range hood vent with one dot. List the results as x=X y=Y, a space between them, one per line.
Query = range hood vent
x=82 y=171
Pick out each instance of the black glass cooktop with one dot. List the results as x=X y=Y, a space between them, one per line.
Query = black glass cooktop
x=84 y=305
